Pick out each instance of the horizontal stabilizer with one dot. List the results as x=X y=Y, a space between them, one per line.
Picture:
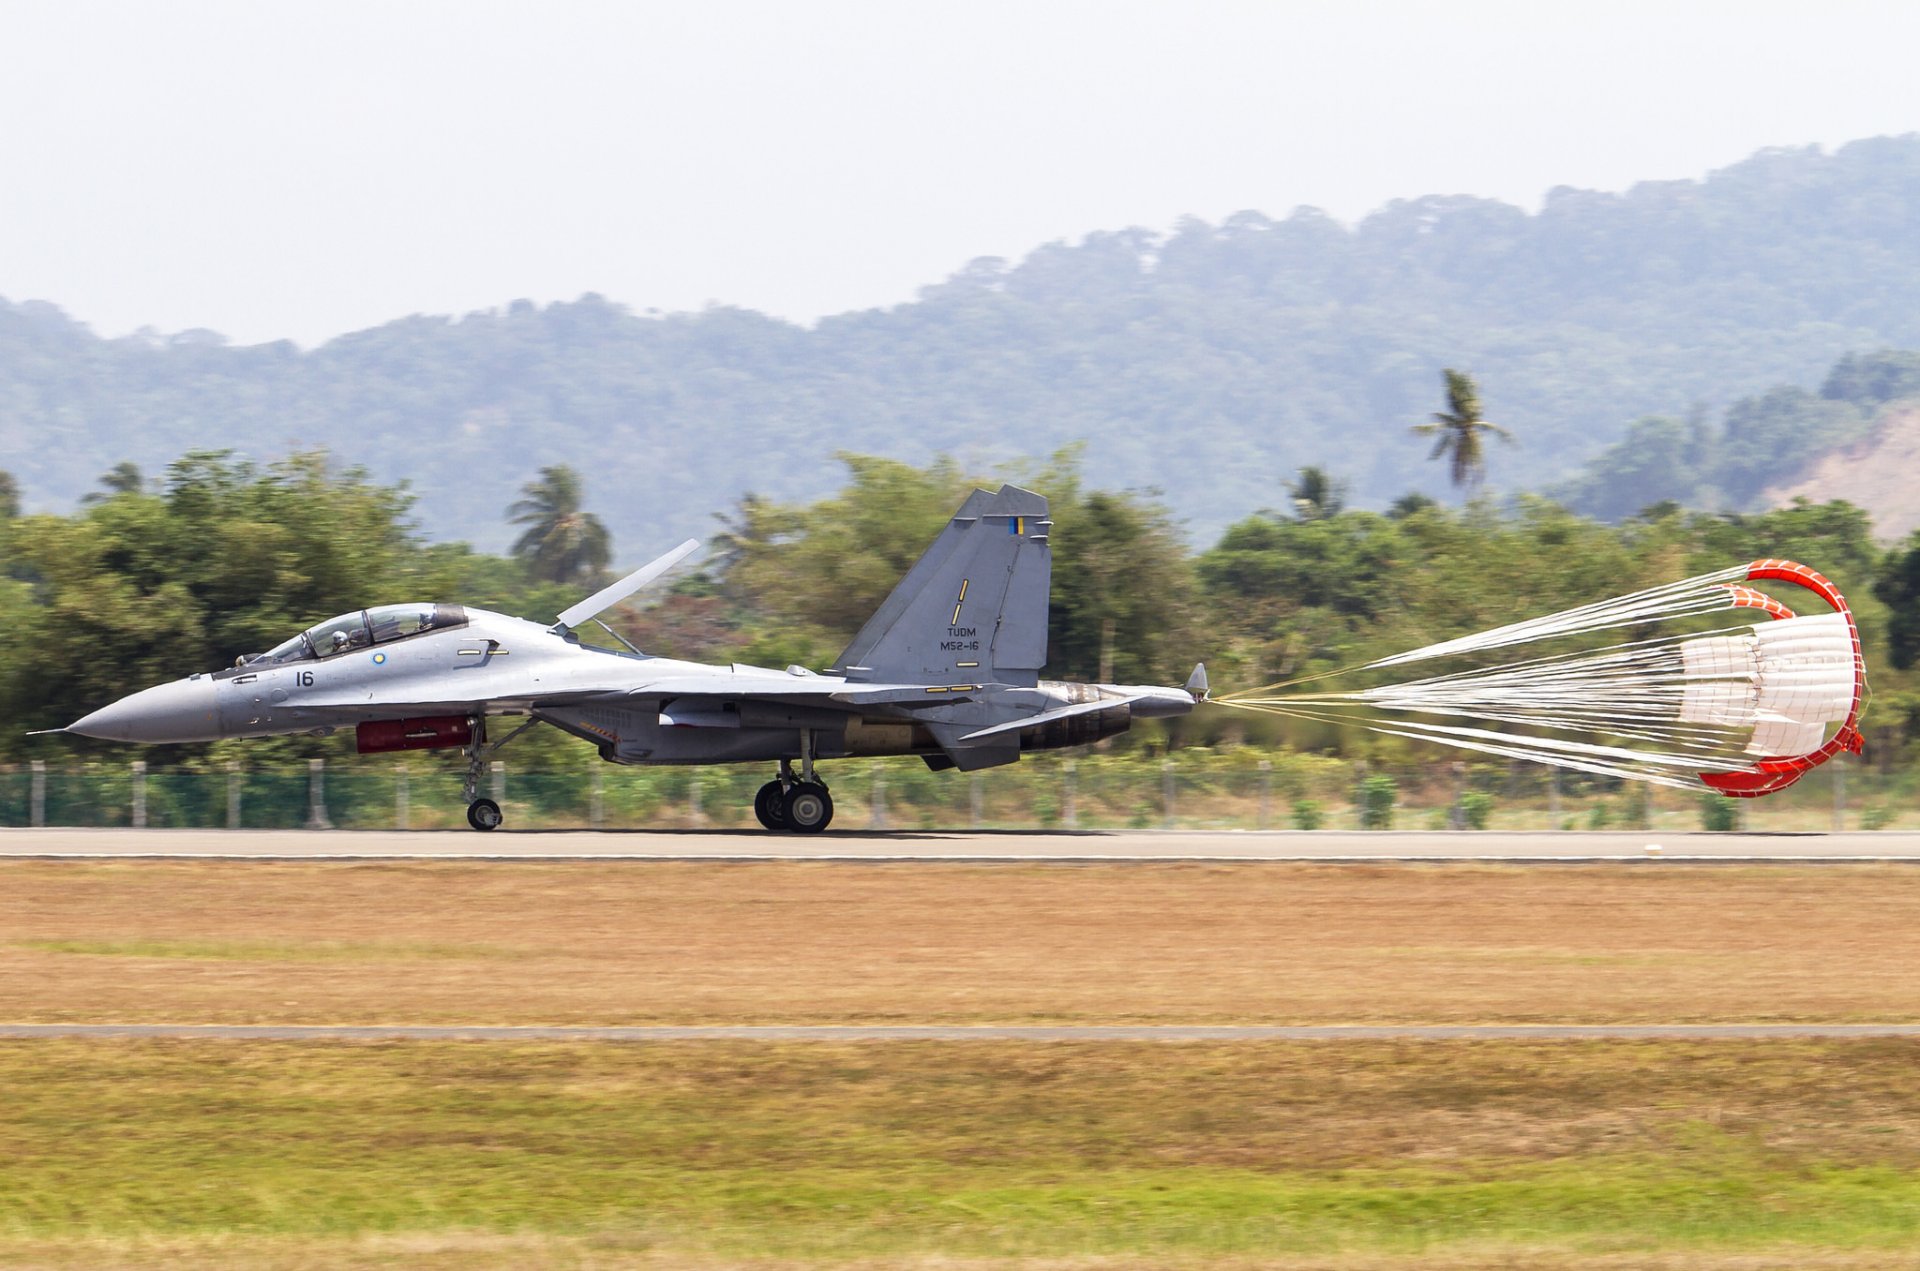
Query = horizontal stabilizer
x=607 y=597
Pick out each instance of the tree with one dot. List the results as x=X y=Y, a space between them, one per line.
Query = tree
x=123 y=478
x=1459 y=430
x=1316 y=496
x=561 y=543
x=9 y=497
x=1898 y=588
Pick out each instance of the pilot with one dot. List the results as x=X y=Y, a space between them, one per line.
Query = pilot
x=340 y=641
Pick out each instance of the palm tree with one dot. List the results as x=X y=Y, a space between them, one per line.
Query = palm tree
x=123 y=478
x=1460 y=429
x=561 y=543
x=1316 y=496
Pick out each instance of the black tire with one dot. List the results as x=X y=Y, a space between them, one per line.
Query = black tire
x=808 y=808
x=770 y=805
x=483 y=814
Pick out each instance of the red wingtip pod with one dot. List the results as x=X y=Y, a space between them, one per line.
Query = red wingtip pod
x=1776 y=773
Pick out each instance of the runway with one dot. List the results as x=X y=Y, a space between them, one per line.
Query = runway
x=1064 y=847
x=980 y=1033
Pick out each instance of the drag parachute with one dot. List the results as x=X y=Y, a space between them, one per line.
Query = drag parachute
x=1743 y=707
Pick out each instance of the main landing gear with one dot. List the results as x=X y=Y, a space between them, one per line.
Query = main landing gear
x=800 y=804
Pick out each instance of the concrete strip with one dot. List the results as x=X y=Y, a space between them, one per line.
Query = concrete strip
x=943 y=1033
x=961 y=847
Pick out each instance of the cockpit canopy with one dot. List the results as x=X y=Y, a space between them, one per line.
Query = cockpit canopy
x=360 y=629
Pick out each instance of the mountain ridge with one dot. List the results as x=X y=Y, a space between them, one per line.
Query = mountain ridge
x=1209 y=362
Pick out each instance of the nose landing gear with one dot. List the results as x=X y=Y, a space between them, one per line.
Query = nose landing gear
x=801 y=803
x=483 y=814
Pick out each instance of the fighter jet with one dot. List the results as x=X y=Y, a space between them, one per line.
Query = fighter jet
x=947 y=669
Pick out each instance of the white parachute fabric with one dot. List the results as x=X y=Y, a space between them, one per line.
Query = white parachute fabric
x=1665 y=706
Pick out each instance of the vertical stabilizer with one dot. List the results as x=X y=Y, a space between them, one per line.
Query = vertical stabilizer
x=973 y=610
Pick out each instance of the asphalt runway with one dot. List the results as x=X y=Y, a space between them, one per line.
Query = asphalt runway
x=1572 y=847
x=938 y=1033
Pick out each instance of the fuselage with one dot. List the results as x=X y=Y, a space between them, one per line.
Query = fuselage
x=453 y=661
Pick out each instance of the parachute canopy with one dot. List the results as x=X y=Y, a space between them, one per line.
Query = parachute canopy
x=1745 y=708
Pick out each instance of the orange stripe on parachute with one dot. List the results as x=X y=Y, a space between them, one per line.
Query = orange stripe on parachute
x=1772 y=774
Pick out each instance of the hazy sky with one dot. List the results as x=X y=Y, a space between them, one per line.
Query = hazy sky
x=300 y=170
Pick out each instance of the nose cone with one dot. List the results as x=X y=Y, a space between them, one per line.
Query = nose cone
x=184 y=710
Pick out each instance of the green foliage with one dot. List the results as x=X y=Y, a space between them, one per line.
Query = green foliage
x=1761 y=441
x=1378 y=794
x=223 y=557
x=1718 y=813
x=1308 y=814
x=1898 y=588
x=1476 y=809
x=810 y=575
x=226 y=558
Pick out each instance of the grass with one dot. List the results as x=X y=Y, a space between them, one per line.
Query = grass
x=1348 y=1156
x=635 y=943
x=1283 y=1154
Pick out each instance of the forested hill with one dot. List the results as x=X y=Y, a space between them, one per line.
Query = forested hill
x=1210 y=362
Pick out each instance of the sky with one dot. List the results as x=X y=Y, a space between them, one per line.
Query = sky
x=301 y=170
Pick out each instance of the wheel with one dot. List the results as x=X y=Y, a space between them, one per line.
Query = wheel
x=483 y=814
x=770 y=805
x=808 y=807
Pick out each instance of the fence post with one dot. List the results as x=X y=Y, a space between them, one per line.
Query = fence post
x=1266 y=794
x=37 y=799
x=1839 y=796
x=317 y=795
x=1069 y=807
x=1553 y=797
x=974 y=800
x=233 y=796
x=402 y=799
x=879 y=786
x=1167 y=792
x=1360 y=794
x=139 y=794
x=597 y=804
x=694 y=812
x=500 y=782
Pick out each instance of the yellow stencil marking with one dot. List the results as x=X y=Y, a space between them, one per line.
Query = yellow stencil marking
x=958 y=602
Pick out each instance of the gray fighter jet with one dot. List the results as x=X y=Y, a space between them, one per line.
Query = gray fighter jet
x=948 y=669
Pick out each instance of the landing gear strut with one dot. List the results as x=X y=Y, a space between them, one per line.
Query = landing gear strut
x=801 y=803
x=484 y=814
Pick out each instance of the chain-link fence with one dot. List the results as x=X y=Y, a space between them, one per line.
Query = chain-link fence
x=1190 y=789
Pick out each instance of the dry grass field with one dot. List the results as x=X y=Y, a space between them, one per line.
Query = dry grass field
x=1338 y=1156
x=637 y=943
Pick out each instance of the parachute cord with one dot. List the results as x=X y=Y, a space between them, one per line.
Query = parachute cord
x=1664 y=708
